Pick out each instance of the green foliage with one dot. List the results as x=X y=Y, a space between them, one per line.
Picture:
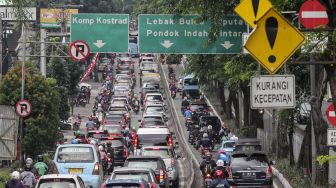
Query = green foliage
x=324 y=159
x=293 y=174
x=45 y=100
x=4 y=177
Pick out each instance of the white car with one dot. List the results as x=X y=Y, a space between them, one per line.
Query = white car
x=61 y=180
x=153 y=97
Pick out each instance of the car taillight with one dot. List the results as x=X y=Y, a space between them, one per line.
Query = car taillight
x=103 y=185
x=136 y=141
x=53 y=169
x=125 y=152
x=157 y=177
x=96 y=169
x=161 y=175
x=269 y=172
x=170 y=141
x=222 y=152
x=229 y=170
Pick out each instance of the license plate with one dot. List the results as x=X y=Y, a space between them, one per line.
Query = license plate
x=249 y=175
x=75 y=170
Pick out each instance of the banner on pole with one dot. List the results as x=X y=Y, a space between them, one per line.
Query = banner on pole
x=90 y=68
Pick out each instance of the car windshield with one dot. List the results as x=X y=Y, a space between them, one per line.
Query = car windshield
x=228 y=144
x=57 y=183
x=190 y=82
x=197 y=107
x=131 y=175
x=153 y=122
x=113 y=129
x=154 y=108
x=126 y=185
x=115 y=143
x=75 y=155
x=163 y=153
x=96 y=134
x=254 y=160
x=154 y=98
x=114 y=118
x=193 y=93
x=144 y=163
x=115 y=108
x=153 y=139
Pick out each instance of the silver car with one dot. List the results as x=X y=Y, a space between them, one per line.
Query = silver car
x=169 y=157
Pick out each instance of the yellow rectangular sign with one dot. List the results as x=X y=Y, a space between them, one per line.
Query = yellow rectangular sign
x=273 y=41
x=252 y=10
x=52 y=18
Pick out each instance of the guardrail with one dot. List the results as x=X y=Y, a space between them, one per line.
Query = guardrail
x=184 y=149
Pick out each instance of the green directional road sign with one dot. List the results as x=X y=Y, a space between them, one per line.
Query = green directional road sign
x=160 y=33
x=104 y=33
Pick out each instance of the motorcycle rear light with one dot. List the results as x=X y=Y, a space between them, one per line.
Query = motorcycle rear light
x=170 y=141
x=96 y=169
x=208 y=176
x=157 y=177
x=173 y=162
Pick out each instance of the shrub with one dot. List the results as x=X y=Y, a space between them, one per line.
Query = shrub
x=4 y=176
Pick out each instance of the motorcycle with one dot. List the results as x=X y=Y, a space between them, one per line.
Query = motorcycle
x=207 y=175
x=75 y=126
x=136 y=109
x=110 y=165
x=81 y=102
x=187 y=123
x=204 y=150
x=191 y=138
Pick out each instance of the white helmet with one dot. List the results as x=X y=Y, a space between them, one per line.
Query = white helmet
x=209 y=127
x=220 y=162
x=185 y=98
x=100 y=148
x=15 y=175
x=126 y=129
x=93 y=142
x=29 y=161
x=205 y=135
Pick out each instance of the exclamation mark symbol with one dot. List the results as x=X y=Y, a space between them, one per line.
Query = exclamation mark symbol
x=255 y=5
x=271 y=27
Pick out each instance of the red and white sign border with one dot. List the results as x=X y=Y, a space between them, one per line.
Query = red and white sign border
x=18 y=108
x=73 y=56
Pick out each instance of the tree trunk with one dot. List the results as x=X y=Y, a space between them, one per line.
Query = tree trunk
x=246 y=102
x=291 y=153
x=221 y=90
x=234 y=100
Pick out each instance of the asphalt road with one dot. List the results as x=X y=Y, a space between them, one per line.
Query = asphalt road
x=86 y=111
x=177 y=102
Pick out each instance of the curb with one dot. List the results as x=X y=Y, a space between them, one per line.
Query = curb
x=281 y=178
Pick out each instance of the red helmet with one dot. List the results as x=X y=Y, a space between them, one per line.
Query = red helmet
x=219 y=173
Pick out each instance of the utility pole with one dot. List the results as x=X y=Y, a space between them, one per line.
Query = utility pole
x=1 y=63
x=43 y=60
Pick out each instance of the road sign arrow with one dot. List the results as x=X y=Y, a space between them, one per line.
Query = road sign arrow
x=227 y=44
x=99 y=43
x=167 y=44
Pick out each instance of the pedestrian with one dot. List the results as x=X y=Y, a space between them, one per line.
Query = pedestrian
x=15 y=181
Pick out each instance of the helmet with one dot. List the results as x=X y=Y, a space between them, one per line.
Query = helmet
x=93 y=142
x=74 y=141
x=185 y=98
x=126 y=129
x=135 y=97
x=108 y=144
x=15 y=175
x=208 y=154
x=196 y=126
x=219 y=174
x=220 y=162
x=40 y=158
x=100 y=148
x=205 y=135
x=29 y=161
x=209 y=127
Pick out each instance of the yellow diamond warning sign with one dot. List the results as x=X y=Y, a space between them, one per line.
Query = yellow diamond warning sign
x=273 y=41
x=252 y=10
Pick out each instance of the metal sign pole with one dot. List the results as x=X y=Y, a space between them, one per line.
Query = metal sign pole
x=22 y=86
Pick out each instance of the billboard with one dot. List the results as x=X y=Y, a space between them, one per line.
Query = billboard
x=11 y=14
x=52 y=18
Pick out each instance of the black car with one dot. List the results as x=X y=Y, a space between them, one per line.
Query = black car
x=119 y=146
x=250 y=169
x=248 y=144
x=126 y=183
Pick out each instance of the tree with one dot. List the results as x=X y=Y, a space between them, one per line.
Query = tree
x=42 y=125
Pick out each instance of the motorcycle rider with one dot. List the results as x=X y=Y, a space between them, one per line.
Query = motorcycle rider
x=28 y=177
x=185 y=104
x=173 y=88
x=195 y=132
x=220 y=180
x=208 y=160
x=187 y=113
x=40 y=167
x=205 y=141
x=211 y=134
x=220 y=166
x=90 y=124
x=15 y=181
x=103 y=156
x=109 y=150
x=194 y=117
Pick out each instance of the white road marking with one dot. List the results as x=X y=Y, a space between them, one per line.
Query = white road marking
x=314 y=14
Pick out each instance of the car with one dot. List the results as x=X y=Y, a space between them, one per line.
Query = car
x=121 y=89
x=158 y=118
x=149 y=66
x=103 y=62
x=61 y=180
x=169 y=157
x=96 y=134
x=154 y=109
x=119 y=145
x=248 y=144
x=225 y=150
x=190 y=82
x=113 y=129
x=122 y=113
x=250 y=168
x=80 y=159
x=136 y=173
x=155 y=163
x=126 y=183
x=214 y=121
x=154 y=97
x=115 y=118
x=125 y=63
x=153 y=137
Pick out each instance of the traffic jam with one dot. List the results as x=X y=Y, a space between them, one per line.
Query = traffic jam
x=112 y=149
